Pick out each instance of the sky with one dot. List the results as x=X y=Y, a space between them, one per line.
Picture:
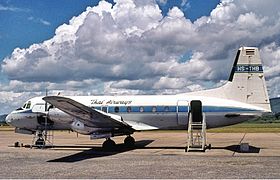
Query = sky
x=93 y=47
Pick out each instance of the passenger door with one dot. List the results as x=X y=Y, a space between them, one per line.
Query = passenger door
x=182 y=112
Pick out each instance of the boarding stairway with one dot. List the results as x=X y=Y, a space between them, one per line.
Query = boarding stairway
x=44 y=136
x=196 y=128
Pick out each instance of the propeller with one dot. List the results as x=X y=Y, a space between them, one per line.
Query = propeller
x=46 y=104
x=46 y=116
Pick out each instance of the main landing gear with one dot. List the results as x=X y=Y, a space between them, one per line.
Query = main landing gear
x=109 y=144
x=129 y=141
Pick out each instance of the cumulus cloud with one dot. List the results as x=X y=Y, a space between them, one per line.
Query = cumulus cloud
x=132 y=48
x=271 y=52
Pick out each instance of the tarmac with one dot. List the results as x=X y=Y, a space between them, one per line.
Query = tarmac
x=156 y=155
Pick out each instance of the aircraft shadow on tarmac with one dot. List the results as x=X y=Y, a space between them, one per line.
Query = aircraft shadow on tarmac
x=96 y=152
x=233 y=148
x=236 y=148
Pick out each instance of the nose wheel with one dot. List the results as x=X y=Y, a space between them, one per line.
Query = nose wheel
x=129 y=141
x=40 y=142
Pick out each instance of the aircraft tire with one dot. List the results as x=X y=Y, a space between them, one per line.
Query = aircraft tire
x=40 y=142
x=129 y=141
x=109 y=144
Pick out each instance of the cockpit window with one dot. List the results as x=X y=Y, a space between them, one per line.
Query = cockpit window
x=28 y=105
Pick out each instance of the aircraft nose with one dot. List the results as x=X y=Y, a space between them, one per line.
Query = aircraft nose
x=9 y=119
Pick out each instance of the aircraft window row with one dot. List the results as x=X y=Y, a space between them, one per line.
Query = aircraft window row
x=159 y=109
x=154 y=109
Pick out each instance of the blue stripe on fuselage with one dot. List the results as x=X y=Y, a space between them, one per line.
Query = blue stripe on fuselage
x=136 y=109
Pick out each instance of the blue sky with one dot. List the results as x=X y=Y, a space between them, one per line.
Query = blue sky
x=24 y=22
x=130 y=46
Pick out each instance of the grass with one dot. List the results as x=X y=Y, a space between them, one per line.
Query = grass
x=6 y=128
x=249 y=128
x=237 y=128
x=246 y=127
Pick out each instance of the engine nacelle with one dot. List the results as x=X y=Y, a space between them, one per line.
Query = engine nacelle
x=59 y=116
x=81 y=128
x=97 y=133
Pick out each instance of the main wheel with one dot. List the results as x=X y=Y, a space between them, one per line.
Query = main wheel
x=109 y=144
x=129 y=141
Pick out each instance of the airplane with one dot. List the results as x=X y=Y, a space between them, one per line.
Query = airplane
x=244 y=96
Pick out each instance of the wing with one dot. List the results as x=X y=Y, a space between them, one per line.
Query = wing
x=87 y=115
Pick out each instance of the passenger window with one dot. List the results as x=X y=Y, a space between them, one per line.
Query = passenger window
x=166 y=108
x=128 y=109
x=154 y=109
x=117 y=109
x=141 y=109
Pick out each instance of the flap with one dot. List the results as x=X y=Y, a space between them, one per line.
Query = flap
x=138 y=126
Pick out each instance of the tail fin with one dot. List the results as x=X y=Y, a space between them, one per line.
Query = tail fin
x=246 y=82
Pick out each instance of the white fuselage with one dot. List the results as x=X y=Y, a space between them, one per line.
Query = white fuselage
x=156 y=111
x=170 y=111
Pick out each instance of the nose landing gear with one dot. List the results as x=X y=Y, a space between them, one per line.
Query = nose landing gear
x=40 y=142
x=39 y=139
x=43 y=139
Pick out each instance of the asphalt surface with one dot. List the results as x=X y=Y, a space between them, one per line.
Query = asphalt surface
x=157 y=155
